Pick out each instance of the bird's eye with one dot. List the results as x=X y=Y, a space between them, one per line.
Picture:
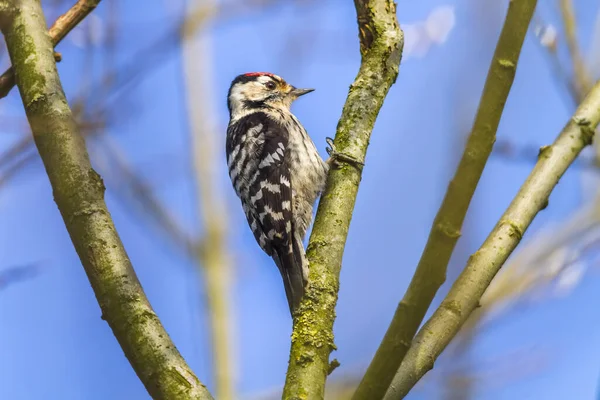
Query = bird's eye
x=270 y=85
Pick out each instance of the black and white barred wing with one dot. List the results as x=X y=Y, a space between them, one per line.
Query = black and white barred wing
x=259 y=169
x=258 y=159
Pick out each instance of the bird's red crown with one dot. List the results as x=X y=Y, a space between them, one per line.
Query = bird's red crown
x=258 y=74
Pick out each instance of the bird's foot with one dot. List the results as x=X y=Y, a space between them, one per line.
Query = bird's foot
x=335 y=157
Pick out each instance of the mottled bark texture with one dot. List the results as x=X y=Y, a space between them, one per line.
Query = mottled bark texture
x=484 y=264
x=445 y=231
x=381 y=43
x=79 y=193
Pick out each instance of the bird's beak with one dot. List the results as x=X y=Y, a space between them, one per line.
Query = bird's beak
x=295 y=93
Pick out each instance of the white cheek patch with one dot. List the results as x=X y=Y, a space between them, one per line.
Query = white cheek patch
x=240 y=93
x=256 y=92
x=250 y=91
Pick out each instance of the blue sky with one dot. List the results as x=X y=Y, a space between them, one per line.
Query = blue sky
x=54 y=344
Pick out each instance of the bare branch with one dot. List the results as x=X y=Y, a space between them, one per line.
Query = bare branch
x=582 y=79
x=63 y=25
x=465 y=294
x=431 y=270
x=79 y=193
x=11 y=275
x=546 y=38
x=381 y=43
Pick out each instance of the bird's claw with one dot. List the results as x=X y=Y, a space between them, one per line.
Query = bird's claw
x=331 y=147
x=336 y=156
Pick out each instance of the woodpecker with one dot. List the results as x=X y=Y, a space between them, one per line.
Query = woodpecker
x=276 y=172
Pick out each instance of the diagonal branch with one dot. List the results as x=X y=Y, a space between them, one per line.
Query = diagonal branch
x=431 y=270
x=63 y=25
x=381 y=42
x=79 y=194
x=483 y=265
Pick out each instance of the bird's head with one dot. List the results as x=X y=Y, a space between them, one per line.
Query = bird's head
x=256 y=90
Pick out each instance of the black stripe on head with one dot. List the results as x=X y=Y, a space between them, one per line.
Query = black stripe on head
x=259 y=104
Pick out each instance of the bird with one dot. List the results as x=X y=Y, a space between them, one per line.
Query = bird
x=276 y=171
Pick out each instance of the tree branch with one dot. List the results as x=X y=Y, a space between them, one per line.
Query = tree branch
x=581 y=76
x=211 y=255
x=381 y=42
x=431 y=270
x=483 y=265
x=79 y=194
x=63 y=25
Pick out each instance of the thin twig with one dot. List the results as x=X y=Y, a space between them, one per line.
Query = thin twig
x=581 y=76
x=79 y=194
x=145 y=196
x=381 y=43
x=465 y=294
x=20 y=273
x=431 y=270
x=61 y=27
x=527 y=154
x=550 y=48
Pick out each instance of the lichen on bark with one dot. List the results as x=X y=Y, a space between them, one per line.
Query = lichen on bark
x=79 y=194
x=312 y=338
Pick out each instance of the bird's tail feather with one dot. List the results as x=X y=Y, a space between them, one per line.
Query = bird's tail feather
x=290 y=260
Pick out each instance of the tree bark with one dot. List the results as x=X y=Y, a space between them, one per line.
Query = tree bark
x=381 y=42
x=79 y=194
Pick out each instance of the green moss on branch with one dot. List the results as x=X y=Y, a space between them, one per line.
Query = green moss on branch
x=312 y=338
x=79 y=194
x=445 y=232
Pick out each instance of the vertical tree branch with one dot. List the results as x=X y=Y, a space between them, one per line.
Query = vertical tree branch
x=212 y=255
x=381 y=42
x=431 y=270
x=483 y=265
x=581 y=76
x=61 y=27
x=79 y=194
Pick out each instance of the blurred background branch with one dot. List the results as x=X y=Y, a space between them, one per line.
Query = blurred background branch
x=20 y=273
x=582 y=79
x=212 y=253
